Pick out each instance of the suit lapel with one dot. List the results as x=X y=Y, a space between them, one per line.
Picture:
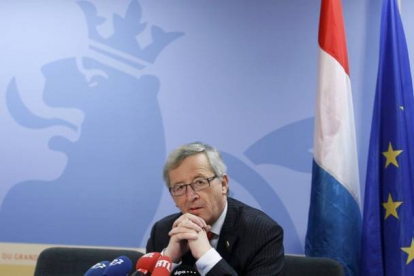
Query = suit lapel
x=228 y=235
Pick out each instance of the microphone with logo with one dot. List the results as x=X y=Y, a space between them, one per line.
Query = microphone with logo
x=145 y=265
x=163 y=267
x=185 y=270
x=120 y=266
x=97 y=269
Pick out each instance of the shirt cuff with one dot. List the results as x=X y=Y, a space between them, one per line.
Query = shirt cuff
x=207 y=261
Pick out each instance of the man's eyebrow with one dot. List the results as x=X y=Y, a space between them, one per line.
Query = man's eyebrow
x=177 y=183
x=194 y=178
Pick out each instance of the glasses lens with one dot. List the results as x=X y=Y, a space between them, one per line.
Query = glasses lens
x=200 y=184
x=178 y=190
x=197 y=185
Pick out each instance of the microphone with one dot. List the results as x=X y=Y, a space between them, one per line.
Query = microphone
x=163 y=267
x=184 y=270
x=97 y=269
x=146 y=264
x=120 y=266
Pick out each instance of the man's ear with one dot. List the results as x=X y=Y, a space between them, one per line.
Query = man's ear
x=224 y=184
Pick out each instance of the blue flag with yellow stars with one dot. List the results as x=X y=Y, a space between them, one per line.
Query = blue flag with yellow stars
x=388 y=219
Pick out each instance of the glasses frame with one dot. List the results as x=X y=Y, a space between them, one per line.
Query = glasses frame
x=192 y=187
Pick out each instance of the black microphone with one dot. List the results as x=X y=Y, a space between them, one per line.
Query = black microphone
x=184 y=270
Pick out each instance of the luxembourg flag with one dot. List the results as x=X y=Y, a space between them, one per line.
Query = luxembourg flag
x=334 y=226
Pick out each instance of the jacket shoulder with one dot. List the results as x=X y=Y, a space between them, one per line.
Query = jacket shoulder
x=252 y=219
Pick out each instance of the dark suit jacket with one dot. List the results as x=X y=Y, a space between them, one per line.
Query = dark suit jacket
x=250 y=242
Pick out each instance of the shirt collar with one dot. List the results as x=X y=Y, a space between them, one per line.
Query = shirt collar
x=216 y=227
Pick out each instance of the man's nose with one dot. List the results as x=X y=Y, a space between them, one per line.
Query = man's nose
x=190 y=193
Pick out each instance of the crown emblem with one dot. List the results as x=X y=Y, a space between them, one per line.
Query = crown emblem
x=123 y=45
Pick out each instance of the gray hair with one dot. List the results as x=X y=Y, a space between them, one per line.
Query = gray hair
x=178 y=155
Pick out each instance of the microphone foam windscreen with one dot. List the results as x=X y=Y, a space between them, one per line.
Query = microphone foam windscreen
x=120 y=266
x=97 y=269
x=147 y=262
x=163 y=267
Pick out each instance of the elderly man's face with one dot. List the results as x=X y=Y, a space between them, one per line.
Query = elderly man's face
x=207 y=204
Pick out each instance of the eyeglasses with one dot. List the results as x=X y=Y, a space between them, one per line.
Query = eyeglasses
x=197 y=185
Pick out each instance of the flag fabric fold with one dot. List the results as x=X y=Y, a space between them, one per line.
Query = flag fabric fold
x=334 y=225
x=388 y=224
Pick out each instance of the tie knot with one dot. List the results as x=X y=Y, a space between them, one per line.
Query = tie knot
x=210 y=235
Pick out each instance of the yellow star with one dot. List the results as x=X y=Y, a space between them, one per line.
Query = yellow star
x=391 y=207
x=391 y=156
x=409 y=251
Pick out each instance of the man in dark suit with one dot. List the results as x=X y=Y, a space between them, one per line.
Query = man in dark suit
x=220 y=235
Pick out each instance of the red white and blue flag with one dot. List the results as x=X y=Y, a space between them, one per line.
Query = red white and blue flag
x=334 y=226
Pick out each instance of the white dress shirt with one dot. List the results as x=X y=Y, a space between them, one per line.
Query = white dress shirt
x=212 y=257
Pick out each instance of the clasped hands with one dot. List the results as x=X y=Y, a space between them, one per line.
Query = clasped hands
x=189 y=232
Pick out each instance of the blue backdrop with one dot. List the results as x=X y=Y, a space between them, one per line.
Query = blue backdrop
x=94 y=95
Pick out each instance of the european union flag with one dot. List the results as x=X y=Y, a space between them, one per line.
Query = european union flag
x=388 y=221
